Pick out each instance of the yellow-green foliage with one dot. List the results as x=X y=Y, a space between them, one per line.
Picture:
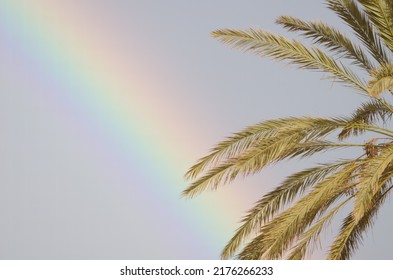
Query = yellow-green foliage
x=287 y=222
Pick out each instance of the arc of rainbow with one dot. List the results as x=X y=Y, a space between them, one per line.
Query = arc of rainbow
x=101 y=88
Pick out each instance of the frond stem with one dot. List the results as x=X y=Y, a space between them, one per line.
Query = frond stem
x=376 y=129
x=387 y=105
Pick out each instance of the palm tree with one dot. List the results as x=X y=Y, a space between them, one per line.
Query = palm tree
x=286 y=222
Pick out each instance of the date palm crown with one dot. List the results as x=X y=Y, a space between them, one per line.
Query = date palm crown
x=286 y=222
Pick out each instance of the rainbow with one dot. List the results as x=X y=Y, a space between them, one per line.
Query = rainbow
x=104 y=89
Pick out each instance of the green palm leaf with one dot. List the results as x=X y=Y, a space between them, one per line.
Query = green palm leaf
x=371 y=183
x=263 y=43
x=379 y=12
x=278 y=234
x=352 y=229
x=276 y=200
x=288 y=221
x=381 y=80
x=299 y=251
x=278 y=140
x=369 y=113
x=250 y=138
x=329 y=37
x=350 y=13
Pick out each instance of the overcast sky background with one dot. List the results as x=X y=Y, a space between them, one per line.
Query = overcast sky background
x=81 y=81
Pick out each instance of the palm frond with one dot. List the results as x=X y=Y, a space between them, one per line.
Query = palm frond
x=278 y=139
x=378 y=12
x=368 y=113
x=352 y=229
x=380 y=86
x=299 y=251
x=239 y=142
x=288 y=221
x=329 y=37
x=310 y=148
x=278 y=234
x=254 y=159
x=280 y=48
x=381 y=80
x=372 y=180
x=355 y=18
x=234 y=147
x=275 y=200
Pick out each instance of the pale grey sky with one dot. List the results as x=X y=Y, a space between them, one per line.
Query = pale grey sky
x=61 y=197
